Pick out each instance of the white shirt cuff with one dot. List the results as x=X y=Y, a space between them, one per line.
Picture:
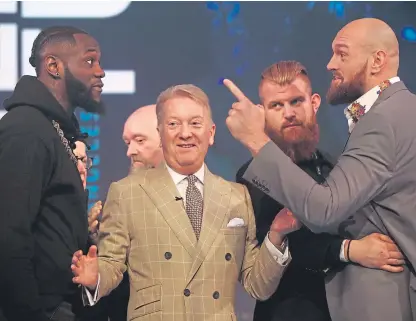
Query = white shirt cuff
x=276 y=254
x=88 y=298
x=341 y=252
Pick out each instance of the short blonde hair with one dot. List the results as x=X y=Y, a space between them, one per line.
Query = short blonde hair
x=285 y=72
x=188 y=91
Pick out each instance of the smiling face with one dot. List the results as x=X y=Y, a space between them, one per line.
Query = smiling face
x=186 y=130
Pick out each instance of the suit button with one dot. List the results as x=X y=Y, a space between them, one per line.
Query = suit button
x=216 y=295
x=186 y=292
x=228 y=256
x=168 y=255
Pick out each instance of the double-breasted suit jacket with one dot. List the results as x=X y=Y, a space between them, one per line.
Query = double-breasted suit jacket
x=146 y=230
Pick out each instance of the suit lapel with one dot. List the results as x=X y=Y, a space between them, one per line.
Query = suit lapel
x=346 y=143
x=162 y=191
x=387 y=93
x=217 y=194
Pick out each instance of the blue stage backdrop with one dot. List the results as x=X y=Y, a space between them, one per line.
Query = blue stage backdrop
x=148 y=46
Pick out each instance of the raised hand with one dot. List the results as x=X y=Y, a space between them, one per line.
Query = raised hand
x=85 y=268
x=246 y=120
x=93 y=217
x=285 y=223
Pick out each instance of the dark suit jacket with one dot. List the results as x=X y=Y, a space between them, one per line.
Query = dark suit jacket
x=301 y=293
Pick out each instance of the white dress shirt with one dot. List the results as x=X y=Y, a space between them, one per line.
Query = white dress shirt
x=342 y=253
x=181 y=183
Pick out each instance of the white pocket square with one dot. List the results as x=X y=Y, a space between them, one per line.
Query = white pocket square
x=236 y=222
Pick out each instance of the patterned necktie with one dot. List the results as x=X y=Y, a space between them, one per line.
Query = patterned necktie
x=194 y=204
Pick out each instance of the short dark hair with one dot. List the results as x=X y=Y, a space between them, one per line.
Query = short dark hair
x=51 y=35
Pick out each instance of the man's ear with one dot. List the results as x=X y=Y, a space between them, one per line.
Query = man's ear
x=212 y=134
x=53 y=66
x=378 y=61
x=316 y=102
x=160 y=137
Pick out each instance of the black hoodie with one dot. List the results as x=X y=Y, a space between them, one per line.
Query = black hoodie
x=43 y=218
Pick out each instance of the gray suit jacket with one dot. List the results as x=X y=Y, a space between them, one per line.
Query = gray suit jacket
x=375 y=180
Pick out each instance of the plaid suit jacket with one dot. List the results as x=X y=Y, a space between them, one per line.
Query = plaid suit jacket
x=172 y=276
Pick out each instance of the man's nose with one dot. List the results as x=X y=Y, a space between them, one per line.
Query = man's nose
x=331 y=64
x=131 y=150
x=185 y=132
x=99 y=72
x=289 y=112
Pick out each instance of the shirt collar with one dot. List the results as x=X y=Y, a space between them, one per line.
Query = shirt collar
x=367 y=101
x=177 y=178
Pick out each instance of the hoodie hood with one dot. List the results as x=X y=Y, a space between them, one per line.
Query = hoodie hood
x=30 y=91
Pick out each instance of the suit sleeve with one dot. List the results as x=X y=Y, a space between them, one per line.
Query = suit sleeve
x=114 y=241
x=360 y=175
x=24 y=171
x=312 y=251
x=263 y=219
x=317 y=252
x=260 y=272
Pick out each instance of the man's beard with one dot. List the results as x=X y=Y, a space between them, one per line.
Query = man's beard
x=347 y=92
x=302 y=146
x=134 y=169
x=144 y=165
x=80 y=95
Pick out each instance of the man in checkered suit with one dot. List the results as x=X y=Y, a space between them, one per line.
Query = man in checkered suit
x=185 y=235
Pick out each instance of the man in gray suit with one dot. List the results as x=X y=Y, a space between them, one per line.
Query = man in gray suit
x=374 y=179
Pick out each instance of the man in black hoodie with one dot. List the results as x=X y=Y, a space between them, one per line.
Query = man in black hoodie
x=43 y=217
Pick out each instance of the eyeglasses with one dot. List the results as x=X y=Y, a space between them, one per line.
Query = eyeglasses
x=87 y=161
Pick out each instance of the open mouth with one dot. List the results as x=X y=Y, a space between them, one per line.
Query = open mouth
x=337 y=78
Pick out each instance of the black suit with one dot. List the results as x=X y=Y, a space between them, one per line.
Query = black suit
x=301 y=292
